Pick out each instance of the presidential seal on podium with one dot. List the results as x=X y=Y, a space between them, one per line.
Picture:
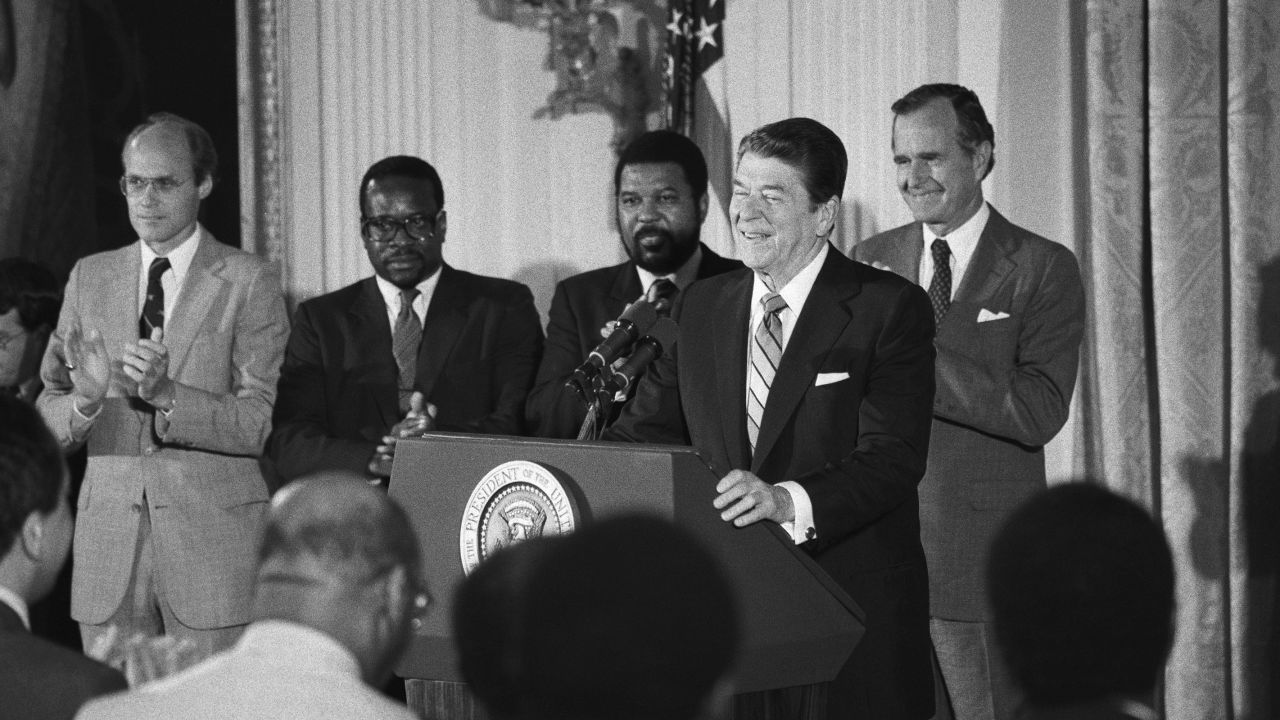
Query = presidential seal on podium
x=515 y=501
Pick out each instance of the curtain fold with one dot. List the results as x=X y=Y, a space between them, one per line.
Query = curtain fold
x=1183 y=267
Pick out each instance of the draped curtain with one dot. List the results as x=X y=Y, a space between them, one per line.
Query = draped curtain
x=1183 y=264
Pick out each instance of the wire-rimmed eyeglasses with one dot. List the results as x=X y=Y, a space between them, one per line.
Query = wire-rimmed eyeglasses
x=135 y=185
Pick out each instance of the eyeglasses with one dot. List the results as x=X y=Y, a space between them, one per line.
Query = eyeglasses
x=418 y=227
x=136 y=185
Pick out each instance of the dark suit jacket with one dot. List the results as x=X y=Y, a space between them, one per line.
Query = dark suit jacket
x=581 y=306
x=1004 y=389
x=480 y=347
x=42 y=681
x=857 y=446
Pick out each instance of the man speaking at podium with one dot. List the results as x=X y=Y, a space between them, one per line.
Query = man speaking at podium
x=807 y=385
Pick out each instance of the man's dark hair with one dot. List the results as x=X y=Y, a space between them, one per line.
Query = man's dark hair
x=488 y=626
x=204 y=155
x=630 y=618
x=33 y=290
x=807 y=145
x=1081 y=588
x=405 y=166
x=31 y=468
x=665 y=146
x=974 y=128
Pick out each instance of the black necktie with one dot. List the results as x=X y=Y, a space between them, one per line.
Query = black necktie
x=153 y=308
x=662 y=295
x=940 y=288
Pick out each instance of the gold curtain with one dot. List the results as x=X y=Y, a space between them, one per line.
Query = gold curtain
x=1183 y=354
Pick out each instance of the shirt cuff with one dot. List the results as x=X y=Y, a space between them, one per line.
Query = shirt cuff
x=800 y=529
x=81 y=423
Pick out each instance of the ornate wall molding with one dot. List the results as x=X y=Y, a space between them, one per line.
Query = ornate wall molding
x=260 y=129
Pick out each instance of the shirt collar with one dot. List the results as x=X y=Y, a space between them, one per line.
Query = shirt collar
x=391 y=293
x=796 y=291
x=179 y=257
x=683 y=277
x=299 y=645
x=15 y=601
x=963 y=239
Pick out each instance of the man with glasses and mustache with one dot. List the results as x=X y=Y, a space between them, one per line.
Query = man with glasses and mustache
x=660 y=184
x=420 y=346
x=164 y=364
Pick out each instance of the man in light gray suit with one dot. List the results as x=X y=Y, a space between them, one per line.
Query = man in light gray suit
x=164 y=363
x=1009 y=307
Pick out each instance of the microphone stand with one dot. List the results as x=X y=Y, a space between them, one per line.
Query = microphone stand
x=598 y=408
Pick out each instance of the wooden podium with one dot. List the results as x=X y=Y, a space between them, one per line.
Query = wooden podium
x=798 y=626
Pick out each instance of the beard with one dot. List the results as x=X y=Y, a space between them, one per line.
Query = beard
x=659 y=250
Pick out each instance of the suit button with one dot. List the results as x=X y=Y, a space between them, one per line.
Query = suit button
x=137 y=508
x=150 y=450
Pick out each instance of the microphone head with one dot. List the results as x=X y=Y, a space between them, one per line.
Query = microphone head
x=640 y=314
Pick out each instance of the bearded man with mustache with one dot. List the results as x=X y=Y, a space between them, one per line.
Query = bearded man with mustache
x=660 y=186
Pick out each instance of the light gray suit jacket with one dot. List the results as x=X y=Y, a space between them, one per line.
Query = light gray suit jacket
x=202 y=482
x=1004 y=388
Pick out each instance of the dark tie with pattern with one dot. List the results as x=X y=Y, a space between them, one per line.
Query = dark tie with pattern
x=405 y=338
x=153 y=307
x=766 y=353
x=940 y=288
x=662 y=295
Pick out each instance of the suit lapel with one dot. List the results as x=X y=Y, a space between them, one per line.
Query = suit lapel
x=200 y=289
x=119 y=290
x=730 y=352
x=626 y=287
x=446 y=318
x=371 y=330
x=990 y=265
x=816 y=331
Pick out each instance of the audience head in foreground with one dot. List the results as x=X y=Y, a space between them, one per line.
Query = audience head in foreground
x=339 y=581
x=37 y=678
x=630 y=618
x=1081 y=587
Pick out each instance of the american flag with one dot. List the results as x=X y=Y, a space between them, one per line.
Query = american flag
x=694 y=80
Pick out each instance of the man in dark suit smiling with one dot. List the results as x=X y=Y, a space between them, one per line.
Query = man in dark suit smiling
x=419 y=346
x=806 y=384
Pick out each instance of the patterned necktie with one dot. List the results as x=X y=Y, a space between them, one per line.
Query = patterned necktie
x=153 y=308
x=405 y=338
x=662 y=295
x=940 y=288
x=766 y=352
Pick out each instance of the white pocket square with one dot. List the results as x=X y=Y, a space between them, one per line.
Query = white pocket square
x=828 y=378
x=985 y=315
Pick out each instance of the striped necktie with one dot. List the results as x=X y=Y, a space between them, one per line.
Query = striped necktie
x=766 y=353
x=405 y=338
x=153 y=307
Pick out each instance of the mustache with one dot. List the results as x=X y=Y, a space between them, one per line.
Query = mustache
x=652 y=231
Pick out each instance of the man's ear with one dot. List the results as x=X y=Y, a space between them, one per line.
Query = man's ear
x=981 y=157
x=442 y=225
x=205 y=187
x=396 y=597
x=32 y=537
x=703 y=204
x=827 y=221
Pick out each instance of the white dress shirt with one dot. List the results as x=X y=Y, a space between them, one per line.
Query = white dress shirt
x=962 y=241
x=391 y=296
x=795 y=292
x=13 y=600
x=683 y=277
x=172 y=280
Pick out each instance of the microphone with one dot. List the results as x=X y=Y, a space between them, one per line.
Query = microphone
x=661 y=338
x=634 y=322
